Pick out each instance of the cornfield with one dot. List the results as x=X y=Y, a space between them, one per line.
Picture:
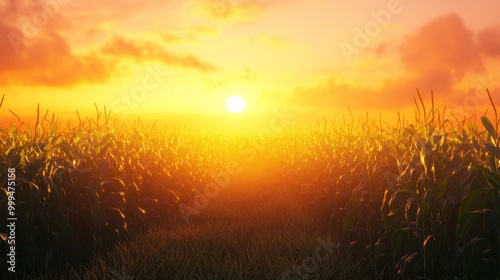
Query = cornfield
x=419 y=200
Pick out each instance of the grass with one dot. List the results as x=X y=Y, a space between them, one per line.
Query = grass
x=416 y=200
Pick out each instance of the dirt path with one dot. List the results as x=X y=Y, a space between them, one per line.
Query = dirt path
x=258 y=227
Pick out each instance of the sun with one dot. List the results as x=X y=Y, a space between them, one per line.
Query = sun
x=235 y=104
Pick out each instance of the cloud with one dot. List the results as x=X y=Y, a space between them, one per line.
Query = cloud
x=266 y=3
x=234 y=10
x=380 y=50
x=442 y=44
x=436 y=57
x=34 y=51
x=189 y=34
x=240 y=10
x=47 y=60
x=334 y=93
x=273 y=41
x=489 y=40
x=96 y=11
x=149 y=51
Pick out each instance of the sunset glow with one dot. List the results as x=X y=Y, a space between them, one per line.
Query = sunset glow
x=249 y=139
x=316 y=58
x=235 y=104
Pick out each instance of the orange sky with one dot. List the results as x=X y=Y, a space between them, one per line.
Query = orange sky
x=183 y=59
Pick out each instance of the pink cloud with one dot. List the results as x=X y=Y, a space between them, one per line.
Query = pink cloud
x=47 y=60
x=436 y=57
x=444 y=44
x=149 y=51
x=381 y=49
x=34 y=51
x=489 y=40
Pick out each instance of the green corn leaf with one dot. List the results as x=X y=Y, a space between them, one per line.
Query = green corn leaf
x=436 y=191
x=466 y=218
x=492 y=178
x=489 y=126
x=397 y=239
x=474 y=254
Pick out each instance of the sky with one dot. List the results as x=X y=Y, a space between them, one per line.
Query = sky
x=181 y=60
